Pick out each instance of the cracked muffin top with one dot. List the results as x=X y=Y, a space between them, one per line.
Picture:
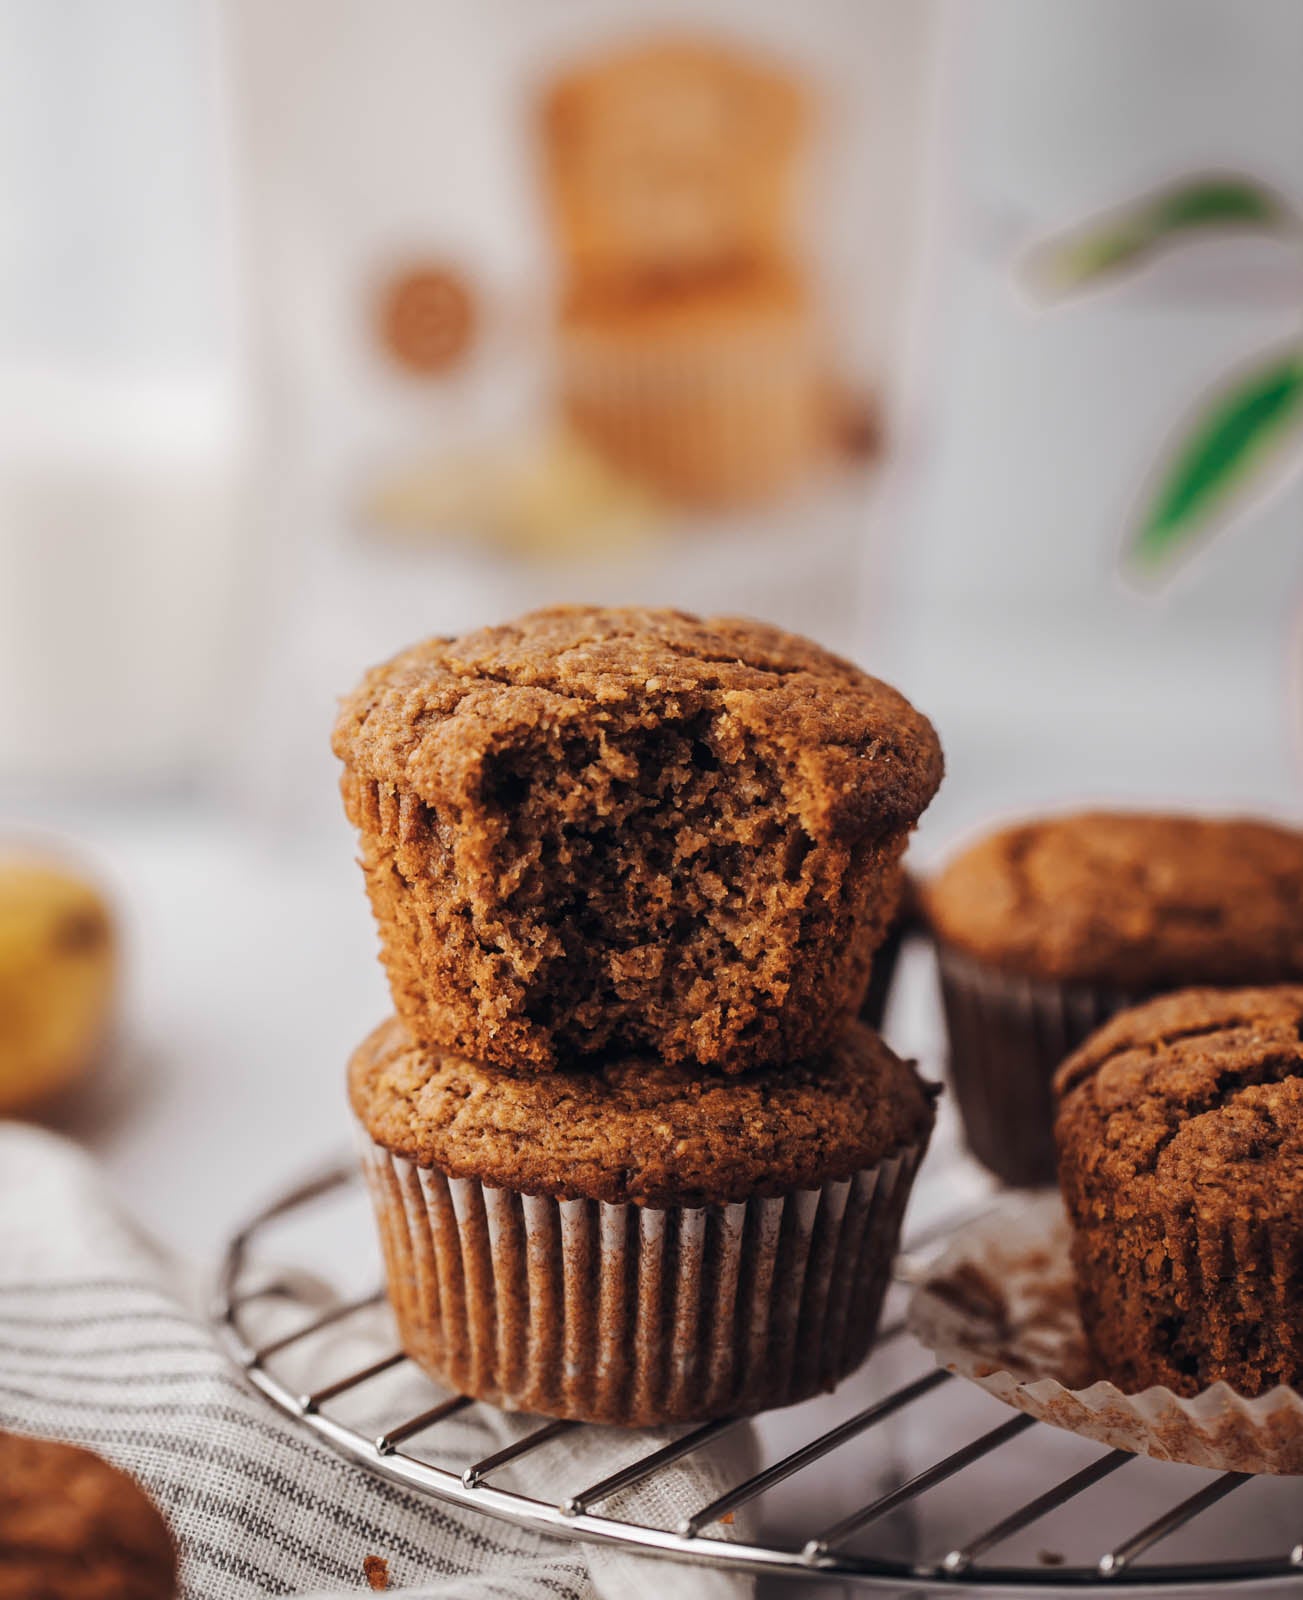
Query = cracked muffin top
x=865 y=760
x=1140 y=900
x=1196 y=1093
x=642 y=1130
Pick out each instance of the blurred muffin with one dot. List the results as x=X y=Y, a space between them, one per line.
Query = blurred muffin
x=57 y=970
x=671 y=158
x=886 y=958
x=636 y=1243
x=1047 y=929
x=710 y=392
x=74 y=1528
x=629 y=830
x=1180 y=1132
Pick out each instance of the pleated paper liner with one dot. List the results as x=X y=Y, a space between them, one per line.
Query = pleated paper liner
x=998 y=1308
x=1008 y=1034
x=627 y=1314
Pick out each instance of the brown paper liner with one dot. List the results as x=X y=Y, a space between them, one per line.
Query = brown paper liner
x=998 y=1307
x=1008 y=1034
x=627 y=1314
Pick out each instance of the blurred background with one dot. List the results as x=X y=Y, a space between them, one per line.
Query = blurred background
x=963 y=335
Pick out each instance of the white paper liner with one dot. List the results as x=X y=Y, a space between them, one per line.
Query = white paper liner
x=628 y=1314
x=997 y=1307
x=715 y=418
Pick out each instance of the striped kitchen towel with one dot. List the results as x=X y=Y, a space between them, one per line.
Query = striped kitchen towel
x=101 y=1344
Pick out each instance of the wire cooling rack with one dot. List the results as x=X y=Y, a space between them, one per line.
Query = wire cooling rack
x=840 y=1549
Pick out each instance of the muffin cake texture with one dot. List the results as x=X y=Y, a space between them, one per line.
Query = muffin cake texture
x=621 y=831
x=1046 y=929
x=638 y=1242
x=1180 y=1133
x=72 y=1527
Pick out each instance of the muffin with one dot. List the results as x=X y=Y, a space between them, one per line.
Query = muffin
x=711 y=391
x=634 y=1243
x=1180 y=1134
x=1047 y=929
x=886 y=958
x=671 y=158
x=632 y=832
x=74 y=1528
x=57 y=980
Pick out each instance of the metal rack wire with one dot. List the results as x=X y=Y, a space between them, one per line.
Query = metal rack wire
x=823 y=1553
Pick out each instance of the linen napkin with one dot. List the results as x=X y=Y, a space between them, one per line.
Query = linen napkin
x=103 y=1344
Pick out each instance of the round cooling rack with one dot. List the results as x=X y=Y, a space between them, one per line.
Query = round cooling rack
x=1133 y=1550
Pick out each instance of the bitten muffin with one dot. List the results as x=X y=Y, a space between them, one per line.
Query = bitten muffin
x=711 y=392
x=635 y=1243
x=74 y=1528
x=633 y=831
x=1045 y=930
x=671 y=158
x=1180 y=1132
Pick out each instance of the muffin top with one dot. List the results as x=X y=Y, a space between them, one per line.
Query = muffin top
x=641 y=1130
x=74 y=1528
x=860 y=759
x=1197 y=1094
x=1142 y=901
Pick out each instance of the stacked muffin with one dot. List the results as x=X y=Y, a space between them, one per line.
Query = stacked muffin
x=686 y=332
x=633 y=1158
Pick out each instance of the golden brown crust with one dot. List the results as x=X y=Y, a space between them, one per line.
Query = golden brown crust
x=630 y=831
x=425 y=719
x=74 y=1528
x=1180 y=1133
x=1142 y=901
x=640 y=1130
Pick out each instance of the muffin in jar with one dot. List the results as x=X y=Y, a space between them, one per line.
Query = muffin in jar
x=1180 y=1135
x=596 y=832
x=73 y=1527
x=711 y=391
x=670 y=158
x=636 y=1243
x=1046 y=929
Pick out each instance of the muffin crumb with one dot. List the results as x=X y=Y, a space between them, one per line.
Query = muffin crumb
x=376 y=1571
x=566 y=863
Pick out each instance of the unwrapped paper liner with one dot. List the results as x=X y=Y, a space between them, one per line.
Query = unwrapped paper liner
x=997 y=1307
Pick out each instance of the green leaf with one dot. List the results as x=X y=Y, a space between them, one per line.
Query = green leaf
x=1208 y=204
x=1225 y=451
